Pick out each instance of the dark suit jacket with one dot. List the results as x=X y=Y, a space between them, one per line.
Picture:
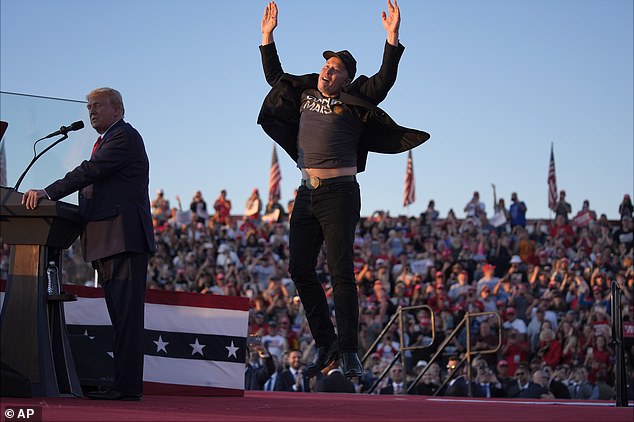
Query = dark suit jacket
x=334 y=382
x=113 y=195
x=479 y=390
x=559 y=389
x=533 y=391
x=280 y=112
x=286 y=381
x=256 y=375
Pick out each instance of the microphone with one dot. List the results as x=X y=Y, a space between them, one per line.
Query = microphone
x=65 y=129
x=62 y=131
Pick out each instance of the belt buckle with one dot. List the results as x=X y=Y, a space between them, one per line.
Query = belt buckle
x=313 y=182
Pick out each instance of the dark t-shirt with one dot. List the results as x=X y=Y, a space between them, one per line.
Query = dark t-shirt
x=328 y=134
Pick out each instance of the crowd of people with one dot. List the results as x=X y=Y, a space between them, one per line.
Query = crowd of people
x=547 y=280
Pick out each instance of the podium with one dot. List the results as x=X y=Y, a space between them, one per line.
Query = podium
x=34 y=341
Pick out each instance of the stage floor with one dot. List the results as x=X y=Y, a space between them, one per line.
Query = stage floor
x=304 y=407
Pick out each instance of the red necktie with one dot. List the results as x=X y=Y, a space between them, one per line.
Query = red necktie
x=94 y=147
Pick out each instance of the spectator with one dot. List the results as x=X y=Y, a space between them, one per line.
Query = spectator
x=259 y=326
x=503 y=375
x=160 y=209
x=271 y=383
x=580 y=388
x=474 y=207
x=458 y=386
x=558 y=389
x=549 y=348
x=562 y=232
x=598 y=357
x=275 y=343
x=562 y=208
x=517 y=211
x=626 y=209
x=427 y=386
x=222 y=207
x=396 y=382
x=259 y=368
x=624 y=235
x=488 y=279
x=461 y=288
x=540 y=378
x=602 y=390
x=486 y=383
x=562 y=374
x=534 y=328
x=293 y=378
x=523 y=387
x=253 y=207
x=501 y=216
x=430 y=214
x=198 y=208
x=515 y=349
x=585 y=216
x=512 y=321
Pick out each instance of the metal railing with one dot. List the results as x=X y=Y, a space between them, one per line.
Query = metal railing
x=468 y=355
x=400 y=354
x=465 y=323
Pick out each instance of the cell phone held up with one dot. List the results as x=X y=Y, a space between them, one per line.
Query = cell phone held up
x=254 y=342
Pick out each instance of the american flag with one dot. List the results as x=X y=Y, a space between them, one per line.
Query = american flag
x=195 y=344
x=275 y=176
x=552 y=181
x=409 y=194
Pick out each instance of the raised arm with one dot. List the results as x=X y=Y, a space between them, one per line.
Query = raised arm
x=270 y=61
x=375 y=88
x=269 y=23
x=391 y=22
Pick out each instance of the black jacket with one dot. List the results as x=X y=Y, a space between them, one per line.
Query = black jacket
x=280 y=112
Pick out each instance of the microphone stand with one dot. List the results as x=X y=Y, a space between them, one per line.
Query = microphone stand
x=17 y=185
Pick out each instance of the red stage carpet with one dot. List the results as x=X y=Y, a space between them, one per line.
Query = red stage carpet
x=275 y=407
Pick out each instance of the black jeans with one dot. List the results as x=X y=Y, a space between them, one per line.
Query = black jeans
x=329 y=213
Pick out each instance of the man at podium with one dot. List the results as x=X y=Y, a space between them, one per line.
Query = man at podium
x=117 y=234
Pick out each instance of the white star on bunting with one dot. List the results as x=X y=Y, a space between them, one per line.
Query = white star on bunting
x=232 y=350
x=197 y=347
x=89 y=336
x=160 y=345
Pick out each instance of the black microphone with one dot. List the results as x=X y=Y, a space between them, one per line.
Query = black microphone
x=62 y=131
x=65 y=129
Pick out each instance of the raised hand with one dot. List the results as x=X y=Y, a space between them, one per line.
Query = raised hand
x=392 y=22
x=269 y=23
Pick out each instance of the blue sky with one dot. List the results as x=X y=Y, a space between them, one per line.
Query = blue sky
x=495 y=82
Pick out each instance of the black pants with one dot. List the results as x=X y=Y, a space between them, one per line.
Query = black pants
x=123 y=278
x=329 y=213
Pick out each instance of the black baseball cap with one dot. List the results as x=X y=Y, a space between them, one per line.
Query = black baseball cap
x=348 y=61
